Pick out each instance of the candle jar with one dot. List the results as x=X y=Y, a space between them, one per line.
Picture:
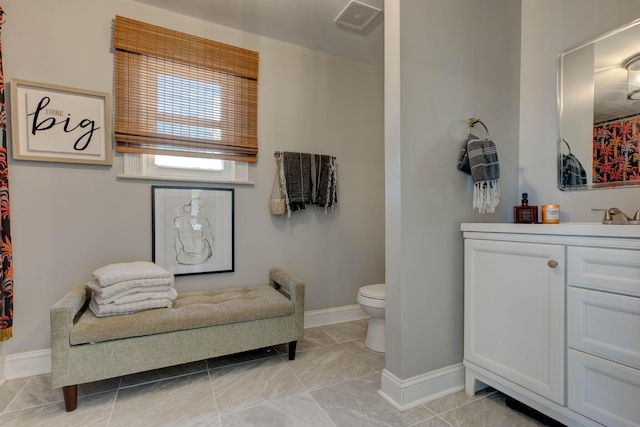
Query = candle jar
x=551 y=214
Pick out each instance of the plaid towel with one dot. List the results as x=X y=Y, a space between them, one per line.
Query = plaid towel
x=572 y=171
x=463 y=157
x=485 y=172
x=479 y=157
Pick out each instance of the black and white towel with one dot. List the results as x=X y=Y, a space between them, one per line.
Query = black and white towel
x=479 y=157
x=573 y=174
x=308 y=179
x=325 y=181
x=295 y=178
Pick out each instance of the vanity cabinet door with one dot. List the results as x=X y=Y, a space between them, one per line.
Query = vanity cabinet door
x=603 y=390
x=514 y=313
x=610 y=270
x=605 y=325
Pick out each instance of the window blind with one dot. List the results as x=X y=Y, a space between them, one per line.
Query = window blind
x=183 y=95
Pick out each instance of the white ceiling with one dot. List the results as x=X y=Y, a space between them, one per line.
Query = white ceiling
x=308 y=23
x=610 y=52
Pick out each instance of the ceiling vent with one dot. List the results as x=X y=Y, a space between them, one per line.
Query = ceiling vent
x=357 y=15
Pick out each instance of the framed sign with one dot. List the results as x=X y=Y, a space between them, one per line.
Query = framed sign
x=52 y=123
x=192 y=229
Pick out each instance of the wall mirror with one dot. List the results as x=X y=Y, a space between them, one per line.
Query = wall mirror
x=598 y=119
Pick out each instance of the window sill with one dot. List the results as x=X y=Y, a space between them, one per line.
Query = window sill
x=173 y=178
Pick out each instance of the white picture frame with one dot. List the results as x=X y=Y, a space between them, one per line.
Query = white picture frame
x=52 y=123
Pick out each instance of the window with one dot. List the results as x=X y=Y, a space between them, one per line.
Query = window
x=174 y=168
x=173 y=162
x=182 y=95
x=179 y=98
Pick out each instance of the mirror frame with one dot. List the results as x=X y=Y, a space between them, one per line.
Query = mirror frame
x=560 y=109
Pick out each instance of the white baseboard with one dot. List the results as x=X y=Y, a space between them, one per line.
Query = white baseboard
x=328 y=316
x=418 y=390
x=27 y=364
x=38 y=362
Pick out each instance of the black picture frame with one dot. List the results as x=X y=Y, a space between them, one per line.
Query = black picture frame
x=193 y=229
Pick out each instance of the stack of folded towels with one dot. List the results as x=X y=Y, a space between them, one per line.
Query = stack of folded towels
x=125 y=288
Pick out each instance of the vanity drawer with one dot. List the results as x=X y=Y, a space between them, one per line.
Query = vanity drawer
x=604 y=324
x=613 y=270
x=604 y=391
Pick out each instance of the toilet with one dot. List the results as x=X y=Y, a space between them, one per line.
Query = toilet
x=372 y=298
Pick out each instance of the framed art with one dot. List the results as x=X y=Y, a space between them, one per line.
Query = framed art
x=53 y=123
x=193 y=229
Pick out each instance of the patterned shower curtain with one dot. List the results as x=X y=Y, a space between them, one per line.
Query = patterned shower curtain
x=6 y=258
x=616 y=151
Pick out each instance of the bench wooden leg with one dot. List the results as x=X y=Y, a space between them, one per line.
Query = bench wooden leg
x=70 y=393
x=292 y=350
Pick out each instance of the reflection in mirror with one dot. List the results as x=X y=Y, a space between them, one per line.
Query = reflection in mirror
x=598 y=117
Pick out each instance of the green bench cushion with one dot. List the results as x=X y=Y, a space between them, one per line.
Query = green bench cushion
x=190 y=310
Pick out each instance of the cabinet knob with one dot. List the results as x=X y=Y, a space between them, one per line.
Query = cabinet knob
x=553 y=264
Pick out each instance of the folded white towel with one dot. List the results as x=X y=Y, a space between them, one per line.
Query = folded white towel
x=126 y=271
x=103 y=310
x=169 y=294
x=109 y=291
x=141 y=289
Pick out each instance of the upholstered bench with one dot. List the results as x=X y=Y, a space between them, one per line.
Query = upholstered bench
x=201 y=325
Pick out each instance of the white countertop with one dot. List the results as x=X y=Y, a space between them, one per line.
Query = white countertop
x=564 y=229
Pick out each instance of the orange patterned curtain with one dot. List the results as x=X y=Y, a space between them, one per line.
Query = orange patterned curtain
x=6 y=258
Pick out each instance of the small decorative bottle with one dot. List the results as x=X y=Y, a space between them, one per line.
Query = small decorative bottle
x=525 y=214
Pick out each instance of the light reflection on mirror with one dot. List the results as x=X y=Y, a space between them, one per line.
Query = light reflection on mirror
x=598 y=127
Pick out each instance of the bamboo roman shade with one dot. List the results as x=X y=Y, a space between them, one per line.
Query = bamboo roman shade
x=183 y=95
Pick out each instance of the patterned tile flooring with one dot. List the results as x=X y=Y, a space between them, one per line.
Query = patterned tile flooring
x=332 y=382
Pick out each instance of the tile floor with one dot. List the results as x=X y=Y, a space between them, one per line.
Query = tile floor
x=333 y=382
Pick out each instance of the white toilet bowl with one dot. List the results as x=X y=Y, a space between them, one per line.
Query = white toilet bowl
x=372 y=300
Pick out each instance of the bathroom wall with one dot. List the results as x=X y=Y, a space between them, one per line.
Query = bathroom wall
x=68 y=220
x=548 y=28
x=446 y=61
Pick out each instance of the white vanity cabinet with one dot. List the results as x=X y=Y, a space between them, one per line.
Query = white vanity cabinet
x=552 y=318
x=603 y=329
